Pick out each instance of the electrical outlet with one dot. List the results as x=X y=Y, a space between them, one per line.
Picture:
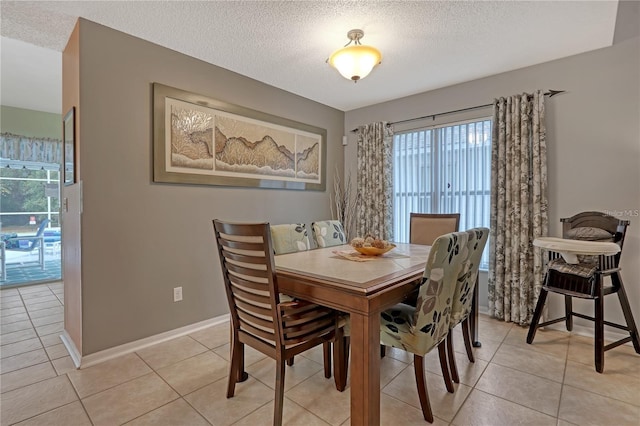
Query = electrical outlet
x=177 y=294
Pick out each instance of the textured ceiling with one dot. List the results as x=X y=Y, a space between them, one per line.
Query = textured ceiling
x=425 y=44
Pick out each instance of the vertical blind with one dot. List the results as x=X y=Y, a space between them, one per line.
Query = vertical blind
x=445 y=169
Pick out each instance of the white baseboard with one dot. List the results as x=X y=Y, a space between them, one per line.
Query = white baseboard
x=71 y=348
x=107 y=354
x=580 y=330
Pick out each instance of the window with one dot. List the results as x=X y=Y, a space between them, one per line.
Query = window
x=445 y=169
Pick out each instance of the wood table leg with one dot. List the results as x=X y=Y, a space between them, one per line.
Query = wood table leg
x=365 y=369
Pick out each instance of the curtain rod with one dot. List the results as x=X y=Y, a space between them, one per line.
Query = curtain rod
x=550 y=93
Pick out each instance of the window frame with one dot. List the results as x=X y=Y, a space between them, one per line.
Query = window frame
x=433 y=172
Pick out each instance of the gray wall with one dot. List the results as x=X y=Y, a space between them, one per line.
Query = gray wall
x=140 y=239
x=593 y=139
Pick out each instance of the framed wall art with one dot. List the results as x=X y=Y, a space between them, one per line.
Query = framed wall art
x=69 y=147
x=200 y=140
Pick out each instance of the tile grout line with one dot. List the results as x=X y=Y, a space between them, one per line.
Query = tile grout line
x=55 y=408
x=182 y=397
x=406 y=403
x=36 y=331
x=50 y=364
x=564 y=376
x=481 y=374
x=501 y=345
x=497 y=396
x=42 y=347
x=153 y=370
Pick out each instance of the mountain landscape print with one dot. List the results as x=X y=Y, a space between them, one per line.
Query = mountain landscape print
x=191 y=137
x=199 y=143
x=224 y=144
x=249 y=148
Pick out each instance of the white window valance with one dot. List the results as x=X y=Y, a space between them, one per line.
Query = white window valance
x=25 y=148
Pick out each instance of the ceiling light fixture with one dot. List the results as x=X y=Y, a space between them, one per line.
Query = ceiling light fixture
x=355 y=61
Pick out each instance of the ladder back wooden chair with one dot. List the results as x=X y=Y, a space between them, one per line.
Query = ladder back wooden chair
x=260 y=316
x=586 y=280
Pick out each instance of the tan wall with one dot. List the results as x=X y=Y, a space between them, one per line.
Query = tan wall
x=593 y=139
x=141 y=239
x=71 y=208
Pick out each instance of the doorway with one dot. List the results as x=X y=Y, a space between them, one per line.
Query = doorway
x=30 y=233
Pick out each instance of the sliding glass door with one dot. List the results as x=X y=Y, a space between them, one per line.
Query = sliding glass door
x=30 y=235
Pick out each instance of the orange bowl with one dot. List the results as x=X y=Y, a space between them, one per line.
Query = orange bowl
x=373 y=251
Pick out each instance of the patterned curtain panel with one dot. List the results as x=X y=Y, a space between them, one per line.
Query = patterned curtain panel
x=23 y=148
x=518 y=206
x=374 y=182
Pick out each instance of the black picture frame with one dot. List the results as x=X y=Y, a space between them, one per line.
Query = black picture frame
x=69 y=147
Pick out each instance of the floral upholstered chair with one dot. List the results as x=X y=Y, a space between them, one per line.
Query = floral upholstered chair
x=289 y=238
x=328 y=233
x=422 y=328
x=463 y=296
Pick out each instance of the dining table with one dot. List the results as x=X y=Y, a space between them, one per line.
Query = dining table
x=362 y=286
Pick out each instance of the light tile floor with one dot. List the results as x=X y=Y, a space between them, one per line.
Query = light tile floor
x=183 y=381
